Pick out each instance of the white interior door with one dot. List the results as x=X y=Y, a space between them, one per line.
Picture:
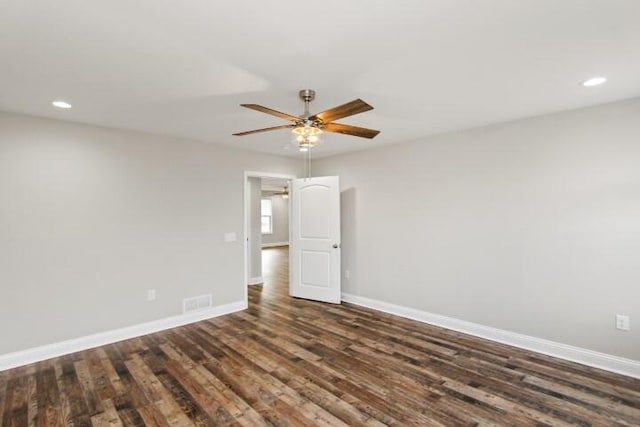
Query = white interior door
x=314 y=247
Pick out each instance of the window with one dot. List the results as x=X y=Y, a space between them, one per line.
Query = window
x=267 y=216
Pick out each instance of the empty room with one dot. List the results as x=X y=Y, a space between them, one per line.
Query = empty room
x=347 y=213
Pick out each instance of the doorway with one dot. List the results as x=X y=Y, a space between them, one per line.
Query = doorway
x=266 y=222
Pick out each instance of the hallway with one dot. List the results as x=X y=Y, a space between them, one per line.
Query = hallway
x=275 y=268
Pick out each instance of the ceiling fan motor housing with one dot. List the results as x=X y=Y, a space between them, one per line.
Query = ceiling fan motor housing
x=307 y=95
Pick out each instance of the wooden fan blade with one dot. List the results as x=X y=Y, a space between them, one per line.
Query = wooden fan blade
x=351 y=130
x=249 y=132
x=271 y=111
x=349 y=109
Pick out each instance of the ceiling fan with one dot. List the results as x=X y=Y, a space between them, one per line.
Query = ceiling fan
x=307 y=127
x=284 y=193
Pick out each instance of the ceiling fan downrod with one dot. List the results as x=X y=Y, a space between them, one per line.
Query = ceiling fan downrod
x=307 y=95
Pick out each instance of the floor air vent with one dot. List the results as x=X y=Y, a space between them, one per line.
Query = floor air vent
x=201 y=302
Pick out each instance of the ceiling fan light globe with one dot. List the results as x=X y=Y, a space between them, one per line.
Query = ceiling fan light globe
x=305 y=141
x=305 y=130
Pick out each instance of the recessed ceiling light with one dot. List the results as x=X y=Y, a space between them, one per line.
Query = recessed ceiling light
x=61 y=104
x=594 y=81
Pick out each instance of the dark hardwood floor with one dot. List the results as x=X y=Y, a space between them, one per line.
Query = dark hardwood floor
x=286 y=361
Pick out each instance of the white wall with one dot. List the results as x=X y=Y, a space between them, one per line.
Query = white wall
x=255 y=229
x=280 y=221
x=90 y=218
x=531 y=226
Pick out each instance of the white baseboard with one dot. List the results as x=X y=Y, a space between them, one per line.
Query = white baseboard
x=255 y=281
x=604 y=361
x=274 y=244
x=37 y=354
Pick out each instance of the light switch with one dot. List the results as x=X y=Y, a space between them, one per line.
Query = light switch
x=230 y=237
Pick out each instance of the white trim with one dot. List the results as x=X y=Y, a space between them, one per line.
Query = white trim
x=271 y=245
x=596 y=359
x=255 y=280
x=37 y=354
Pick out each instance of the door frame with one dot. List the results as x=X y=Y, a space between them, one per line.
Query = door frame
x=245 y=243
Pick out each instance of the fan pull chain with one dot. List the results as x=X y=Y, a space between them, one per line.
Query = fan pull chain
x=309 y=161
x=304 y=165
x=306 y=160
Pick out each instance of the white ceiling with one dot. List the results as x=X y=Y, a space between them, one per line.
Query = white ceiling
x=427 y=66
x=274 y=184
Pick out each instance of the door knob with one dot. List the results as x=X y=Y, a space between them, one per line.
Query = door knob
x=335 y=246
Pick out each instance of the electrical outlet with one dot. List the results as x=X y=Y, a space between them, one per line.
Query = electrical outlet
x=151 y=294
x=622 y=322
x=347 y=274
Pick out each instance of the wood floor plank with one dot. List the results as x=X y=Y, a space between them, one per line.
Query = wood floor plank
x=86 y=381
x=109 y=418
x=48 y=397
x=291 y=372
x=32 y=400
x=615 y=411
x=292 y=362
x=208 y=385
x=110 y=372
x=73 y=407
x=631 y=396
x=157 y=393
x=286 y=371
x=3 y=393
x=15 y=411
